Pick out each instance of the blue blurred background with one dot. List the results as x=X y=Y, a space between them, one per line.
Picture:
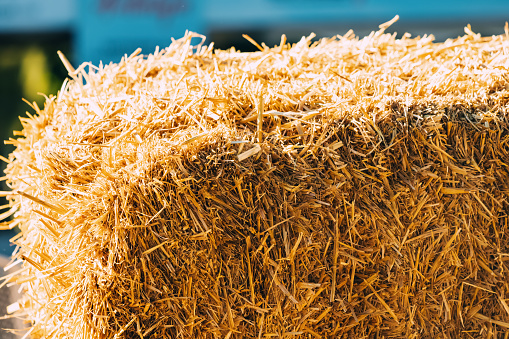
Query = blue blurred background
x=31 y=31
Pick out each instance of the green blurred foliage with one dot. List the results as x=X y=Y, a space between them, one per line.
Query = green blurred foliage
x=29 y=65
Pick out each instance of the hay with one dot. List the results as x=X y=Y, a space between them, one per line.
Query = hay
x=343 y=188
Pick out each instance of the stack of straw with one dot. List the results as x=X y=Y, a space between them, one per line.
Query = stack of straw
x=340 y=188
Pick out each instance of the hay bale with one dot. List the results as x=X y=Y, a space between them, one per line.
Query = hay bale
x=340 y=188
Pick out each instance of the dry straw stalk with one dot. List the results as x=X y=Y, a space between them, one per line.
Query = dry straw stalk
x=336 y=188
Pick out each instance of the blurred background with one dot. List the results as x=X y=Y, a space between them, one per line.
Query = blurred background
x=31 y=32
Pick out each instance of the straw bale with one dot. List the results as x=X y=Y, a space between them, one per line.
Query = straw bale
x=339 y=188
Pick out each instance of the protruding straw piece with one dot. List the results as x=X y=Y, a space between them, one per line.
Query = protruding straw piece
x=389 y=23
x=66 y=63
x=260 y=118
x=251 y=40
x=57 y=209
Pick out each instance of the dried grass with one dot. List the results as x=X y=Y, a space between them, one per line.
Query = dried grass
x=340 y=188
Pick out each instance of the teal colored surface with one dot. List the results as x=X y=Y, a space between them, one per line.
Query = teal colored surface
x=106 y=30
